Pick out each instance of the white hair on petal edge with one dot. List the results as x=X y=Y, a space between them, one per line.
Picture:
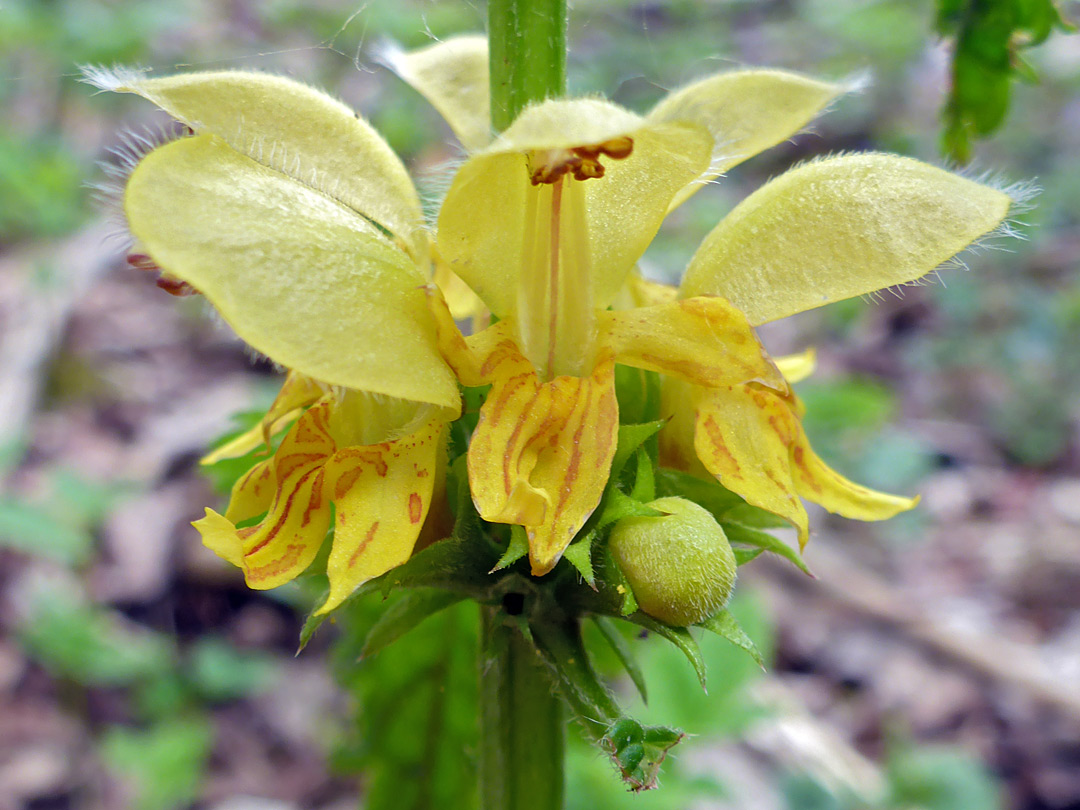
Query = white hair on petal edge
x=114 y=79
x=132 y=147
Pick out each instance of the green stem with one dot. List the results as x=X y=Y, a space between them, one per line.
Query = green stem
x=527 y=47
x=522 y=728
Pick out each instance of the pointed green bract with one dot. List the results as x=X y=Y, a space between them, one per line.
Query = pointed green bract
x=296 y=130
x=746 y=112
x=837 y=228
x=298 y=275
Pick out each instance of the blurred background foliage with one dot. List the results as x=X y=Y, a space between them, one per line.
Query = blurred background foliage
x=151 y=695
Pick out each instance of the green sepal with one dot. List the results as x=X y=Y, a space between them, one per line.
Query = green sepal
x=745 y=555
x=517 y=548
x=613 y=588
x=638 y=392
x=765 y=542
x=680 y=637
x=579 y=555
x=632 y=437
x=644 y=478
x=405 y=614
x=623 y=652
x=637 y=751
x=457 y=564
x=726 y=626
x=725 y=505
x=618 y=505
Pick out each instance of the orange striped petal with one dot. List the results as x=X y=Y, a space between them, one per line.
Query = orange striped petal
x=706 y=341
x=382 y=494
x=285 y=542
x=753 y=441
x=820 y=483
x=297 y=392
x=476 y=359
x=253 y=492
x=541 y=453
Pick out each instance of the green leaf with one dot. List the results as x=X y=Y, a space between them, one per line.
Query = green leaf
x=766 y=542
x=624 y=653
x=989 y=37
x=414 y=733
x=940 y=778
x=404 y=615
x=165 y=763
x=638 y=392
x=44 y=532
x=222 y=672
x=91 y=646
x=725 y=625
x=680 y=637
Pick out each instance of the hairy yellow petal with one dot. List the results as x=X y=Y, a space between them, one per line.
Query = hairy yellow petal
x=705 y=341
x=298 y=391
x=293 y=129
x=541 y=452
x=797 y=367
x=838 y=228
x=382 y=494
x=453 y=76
x=565 y=123
x=299 y=276
x=285 y=542
x=622 y=210
x=746 y=112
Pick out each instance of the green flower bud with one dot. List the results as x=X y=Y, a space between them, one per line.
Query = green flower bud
x=680 y=565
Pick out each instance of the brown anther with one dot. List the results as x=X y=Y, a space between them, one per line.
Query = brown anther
x=140 y=261
x=617 y=148
x=583 y=161
x=174 y=286
x=588 y=169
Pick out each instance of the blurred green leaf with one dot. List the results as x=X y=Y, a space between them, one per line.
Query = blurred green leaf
x=415 y=729
x=89 y=645
x=219 y=671
x=165 y=763
x=939 y=778
x=989 y=36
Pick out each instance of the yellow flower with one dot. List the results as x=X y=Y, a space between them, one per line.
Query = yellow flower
x=546 y=221
x=293 y=217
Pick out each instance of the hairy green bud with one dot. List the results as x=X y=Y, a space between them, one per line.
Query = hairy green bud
x=680 y=565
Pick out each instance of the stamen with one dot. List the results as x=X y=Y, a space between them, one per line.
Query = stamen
x=174 y=286
x=170 y=284
x=551 y=165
